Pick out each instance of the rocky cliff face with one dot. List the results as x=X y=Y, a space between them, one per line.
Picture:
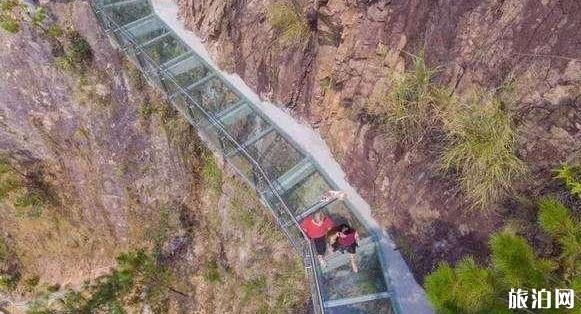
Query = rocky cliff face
x=328 y=77
x=120 y=165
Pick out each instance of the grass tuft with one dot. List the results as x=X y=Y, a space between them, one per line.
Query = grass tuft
x=212 y=174
x=8 y=22
x=212 y=272
x=481 y=148
x=32 y=202
x=571 y=178
x=290 y=22
x=408 y=110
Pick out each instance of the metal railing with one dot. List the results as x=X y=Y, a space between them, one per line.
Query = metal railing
x=159 y=77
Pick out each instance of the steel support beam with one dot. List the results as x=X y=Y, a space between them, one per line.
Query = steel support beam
x=238 y=110
x=355 y=300
x=120 y=3
x=251 y=141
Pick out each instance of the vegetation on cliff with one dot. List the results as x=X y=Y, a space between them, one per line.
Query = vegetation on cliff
x=470 y=288
x=290 y=22
x=475 y=136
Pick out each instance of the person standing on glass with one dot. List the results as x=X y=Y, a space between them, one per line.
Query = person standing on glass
x=346 y=240
x=316 y=228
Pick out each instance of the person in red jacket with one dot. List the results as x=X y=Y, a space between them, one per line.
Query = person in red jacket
x=346 y=240
x=316 y=228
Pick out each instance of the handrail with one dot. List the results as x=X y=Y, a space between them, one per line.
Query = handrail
x=305 y=244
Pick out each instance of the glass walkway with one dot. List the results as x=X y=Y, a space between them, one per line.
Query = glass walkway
x=288 y=181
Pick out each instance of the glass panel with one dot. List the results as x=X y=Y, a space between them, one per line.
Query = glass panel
x=165 y=48
x=247 y=126
x=188 y=71
x=150 y=29
x=381 y=306
x=149 y=69
x=204 y=127
x=306 y=193
x=275 y=155
x=214 y=95
x=338 y=281
x=126 y=13
x=106 y=2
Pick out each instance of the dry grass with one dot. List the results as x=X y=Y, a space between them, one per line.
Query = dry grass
x=482 y=148
x=408 y=109
x=290 y=22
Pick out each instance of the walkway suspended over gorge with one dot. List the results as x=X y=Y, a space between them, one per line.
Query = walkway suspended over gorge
x=289 y=178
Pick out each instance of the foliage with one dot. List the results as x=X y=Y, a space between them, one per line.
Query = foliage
x=78 y=52
x=8 y=282
x=8 y=5
x=54 y=31
x=31 y=201
x=160 y=234
x=408 y=110
x=556 y=220
x=571 y=177
x=146 y=110
x=481 y=148
x=3 y=250
x=9 y=24
x=516 y=263
x=211 y=173
x=137 y=278
x=9 y=179
x=38 y=17
x=7 y=16
x=212 y=271
x=253 y=288
x=32 y=282
x=290 y=22
x=63 y=63
x=469 y=288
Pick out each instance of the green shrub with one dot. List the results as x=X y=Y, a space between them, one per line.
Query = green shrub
x=7 y=20
x=212 y=272
x=9 y=24
x=32 y=202
x=8 y=282
x=290 y=22
x=38 y=17
x=556 y=220
x=63 y=63
x=54 y=31
x=79 y=50
x=78 y=53
x=8 y=5
x=481 y=148
x=571 y=177
x=515 y=260
x=146 y=110
x=3 y=250
x=253 y=288
x=31 y=283
x=409 y=110
x=9 y=179
x=468 y=288
x=211 y=173
x=137 y=278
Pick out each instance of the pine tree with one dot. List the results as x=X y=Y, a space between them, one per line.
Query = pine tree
x=556 y=220
x=469 y=288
